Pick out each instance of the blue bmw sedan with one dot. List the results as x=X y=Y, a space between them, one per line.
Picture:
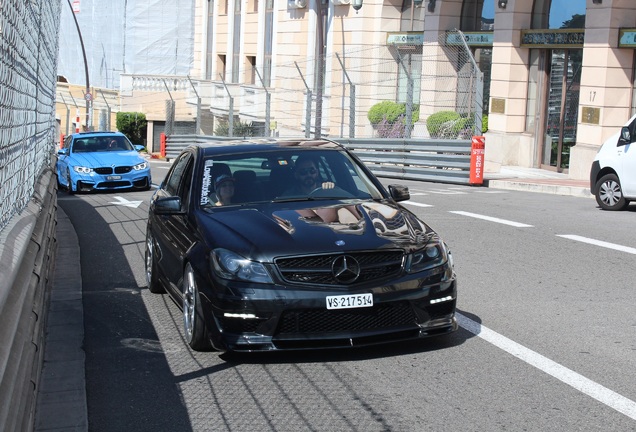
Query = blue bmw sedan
x=101 y=161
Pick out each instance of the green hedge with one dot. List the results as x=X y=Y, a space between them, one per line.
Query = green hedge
x=391 y=112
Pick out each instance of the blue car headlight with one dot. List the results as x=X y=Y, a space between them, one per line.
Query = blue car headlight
x=229 y=265
x=82 y=170
x=141 y=166
x=434 y=254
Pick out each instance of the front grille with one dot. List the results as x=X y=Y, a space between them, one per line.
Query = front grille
x=116 y=170
x=384 y=316
x=113 y=184
x=317 y=269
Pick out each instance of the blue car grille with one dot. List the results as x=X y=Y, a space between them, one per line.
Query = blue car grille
x=110 y=170
x=317 y=269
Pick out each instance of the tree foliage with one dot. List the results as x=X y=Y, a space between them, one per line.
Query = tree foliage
x=133 y=125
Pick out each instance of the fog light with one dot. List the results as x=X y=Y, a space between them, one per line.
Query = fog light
x=441 y=300
x=237 y=315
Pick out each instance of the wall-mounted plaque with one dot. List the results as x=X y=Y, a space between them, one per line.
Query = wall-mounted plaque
x=498 y=106
x=591 y=115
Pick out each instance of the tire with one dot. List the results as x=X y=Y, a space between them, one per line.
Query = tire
x=69 y=183
x=151 y=267
x=196 y=333
x=609 y=194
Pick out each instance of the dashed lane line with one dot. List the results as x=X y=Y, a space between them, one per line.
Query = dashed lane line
x=600 y=243
x=492 y=219
x=416 y=204
x=602 y=394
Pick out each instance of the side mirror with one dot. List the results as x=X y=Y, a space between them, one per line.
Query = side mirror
x=62 y=151
x=399 y=192
x=139 y=147
x=626 y=136
x=169 y=205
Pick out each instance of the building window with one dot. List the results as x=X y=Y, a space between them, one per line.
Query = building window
x=634 y=86
x=220 y=65
x=408 y=62
x=250 y=69
x=269 y=36
x=236 y=43
x=209 y=44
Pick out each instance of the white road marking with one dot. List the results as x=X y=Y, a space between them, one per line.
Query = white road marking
x=492 y=219
x=446 y=192
x=600 y=243
x=544 y=364
x=413 y=203
x=124 y=202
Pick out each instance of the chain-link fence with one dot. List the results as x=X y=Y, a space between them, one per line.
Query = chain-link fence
x=366 y=92
x=28 y=65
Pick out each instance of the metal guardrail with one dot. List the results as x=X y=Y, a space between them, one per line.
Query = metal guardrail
x=436 y=160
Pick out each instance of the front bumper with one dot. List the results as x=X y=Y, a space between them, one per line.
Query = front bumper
x=285 y=318
x=93 y=181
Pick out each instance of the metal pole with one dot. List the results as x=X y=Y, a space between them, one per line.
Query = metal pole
x=197 y=124
x=88 y=87
x=479 y=87
x=231 y=108
x=321 y=67
x=352 y=100
x=268 y=101
x=308 y=107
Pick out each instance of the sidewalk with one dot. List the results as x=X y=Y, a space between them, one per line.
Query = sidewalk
x=61 y=401
x=537 y=180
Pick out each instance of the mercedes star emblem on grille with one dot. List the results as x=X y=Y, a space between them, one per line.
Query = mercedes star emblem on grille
x=346 y=269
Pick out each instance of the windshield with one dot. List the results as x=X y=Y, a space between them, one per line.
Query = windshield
x=101 y=144
x=285 y=175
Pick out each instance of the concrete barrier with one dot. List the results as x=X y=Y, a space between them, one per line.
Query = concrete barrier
x=27 y=256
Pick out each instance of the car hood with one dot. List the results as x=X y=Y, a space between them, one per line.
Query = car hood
x=267 y=232
x=99 y=159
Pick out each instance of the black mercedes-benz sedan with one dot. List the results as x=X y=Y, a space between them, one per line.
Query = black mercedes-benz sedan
x=287 y=245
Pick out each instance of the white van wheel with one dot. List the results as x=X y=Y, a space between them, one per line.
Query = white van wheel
x=609 y=194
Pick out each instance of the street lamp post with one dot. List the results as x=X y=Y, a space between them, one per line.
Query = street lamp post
x=88 y=88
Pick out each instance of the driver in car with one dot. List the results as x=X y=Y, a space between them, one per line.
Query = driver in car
x=307 y=178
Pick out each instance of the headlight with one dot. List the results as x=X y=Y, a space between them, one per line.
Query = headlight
x=229 y=265
x=140 y=166
x=83 y=170
x=432 y=255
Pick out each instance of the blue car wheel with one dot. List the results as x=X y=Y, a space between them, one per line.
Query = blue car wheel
x=69 y=183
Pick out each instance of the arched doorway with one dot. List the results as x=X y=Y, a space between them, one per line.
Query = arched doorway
x=556 y=54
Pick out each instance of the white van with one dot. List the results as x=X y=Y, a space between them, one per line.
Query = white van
x=613 y=173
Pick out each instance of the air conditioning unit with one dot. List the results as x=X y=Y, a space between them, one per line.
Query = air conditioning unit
x=341 y=2
x=297 y=4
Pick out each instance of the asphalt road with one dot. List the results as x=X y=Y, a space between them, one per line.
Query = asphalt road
x=547 y=339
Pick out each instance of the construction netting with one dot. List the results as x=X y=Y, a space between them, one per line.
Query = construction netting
x=28 y=65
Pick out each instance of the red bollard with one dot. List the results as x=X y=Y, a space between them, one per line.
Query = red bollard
x=163 y=145
x=61 y=140
x=477 y=153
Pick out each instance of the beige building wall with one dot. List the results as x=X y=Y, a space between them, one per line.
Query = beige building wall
x=606 y=80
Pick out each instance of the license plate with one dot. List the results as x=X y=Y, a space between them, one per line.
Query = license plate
x=350 y=301
x=113 y=177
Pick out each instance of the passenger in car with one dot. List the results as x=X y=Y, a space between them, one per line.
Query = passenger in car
x=224 y=187
x=307 y=177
